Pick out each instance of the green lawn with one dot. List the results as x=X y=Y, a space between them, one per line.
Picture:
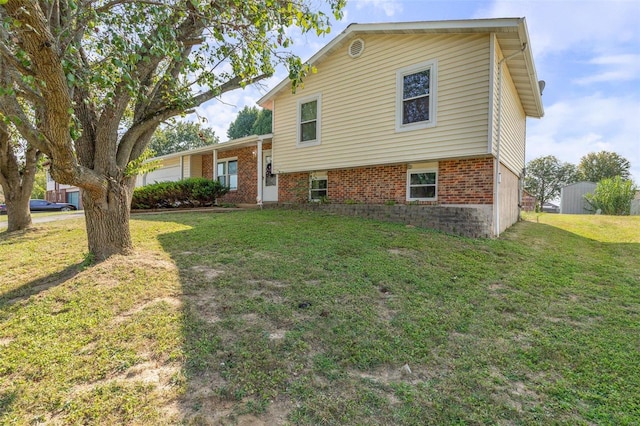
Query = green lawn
x=293 y=317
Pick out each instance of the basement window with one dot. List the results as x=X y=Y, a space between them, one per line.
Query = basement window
x=318 y=187
x=422 y=185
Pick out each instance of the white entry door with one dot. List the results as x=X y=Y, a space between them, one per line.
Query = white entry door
x=269 y=179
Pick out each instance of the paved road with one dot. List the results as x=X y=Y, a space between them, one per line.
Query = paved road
x=36 y=218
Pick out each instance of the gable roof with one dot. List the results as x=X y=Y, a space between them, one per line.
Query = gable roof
x=511 y=33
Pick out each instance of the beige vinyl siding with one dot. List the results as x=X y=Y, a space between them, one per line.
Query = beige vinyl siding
x=186 y=166
x=196 y=166
x=513 y=126
x=359 y=104
x=168 y=171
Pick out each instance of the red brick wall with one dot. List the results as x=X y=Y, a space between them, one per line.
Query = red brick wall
x=368 y=185
x=247 y=191
x=467 y=181
x=293 y=187
x=207 y=165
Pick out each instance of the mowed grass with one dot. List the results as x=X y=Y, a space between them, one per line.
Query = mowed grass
x=285 y=317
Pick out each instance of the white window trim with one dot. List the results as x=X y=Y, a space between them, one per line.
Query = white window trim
x=317 y=140
x=432 y=66
x=314 y=177
x=424 y=170
x=226 y=168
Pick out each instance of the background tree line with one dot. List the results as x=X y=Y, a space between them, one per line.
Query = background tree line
x=545 y=176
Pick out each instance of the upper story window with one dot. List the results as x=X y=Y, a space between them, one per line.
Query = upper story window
x=228 y=173
x=415 y=102
x=309 y=121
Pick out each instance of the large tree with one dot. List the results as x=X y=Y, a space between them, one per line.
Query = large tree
x=546 y=176
x=181 y=136
x=596 y=166
x=88 y=82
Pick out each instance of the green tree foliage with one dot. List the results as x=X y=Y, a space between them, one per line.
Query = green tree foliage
x=250 y=121
x=87 y=83
x=39 y=190
x=596 y=166
x=243 y=124
x=545 y=176
x=181 y=136
x=263 y=124
x=612 y=196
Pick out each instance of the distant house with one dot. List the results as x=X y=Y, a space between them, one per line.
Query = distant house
x=60 y=193
x=550 y=208
x=529 y=202
x=426 y=117
x=572 y=199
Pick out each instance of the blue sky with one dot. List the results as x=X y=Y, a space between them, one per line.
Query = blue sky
x=587 y=51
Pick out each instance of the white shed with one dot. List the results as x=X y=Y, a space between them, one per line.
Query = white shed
x=572 y=198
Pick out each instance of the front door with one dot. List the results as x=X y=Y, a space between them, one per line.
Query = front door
x=269 y=179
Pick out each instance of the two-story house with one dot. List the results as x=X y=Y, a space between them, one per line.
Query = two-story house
x=426 y=113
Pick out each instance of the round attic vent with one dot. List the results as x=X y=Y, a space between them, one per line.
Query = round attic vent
x=356 y=48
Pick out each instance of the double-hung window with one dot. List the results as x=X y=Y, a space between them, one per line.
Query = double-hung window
x=422 y=184
x=415 y=98
x=228 y=173
x=318 y=186
x=309 y=121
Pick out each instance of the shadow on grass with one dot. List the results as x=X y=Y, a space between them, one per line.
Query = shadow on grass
x=284 y=323
x=39 y=285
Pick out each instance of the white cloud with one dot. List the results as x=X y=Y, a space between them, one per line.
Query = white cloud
x=575 y=127
x=388 y=7
x=616 y=68
x=596 y=26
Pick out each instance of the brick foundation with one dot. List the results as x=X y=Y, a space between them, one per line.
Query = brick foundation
x=468 y=181
x=471 y=221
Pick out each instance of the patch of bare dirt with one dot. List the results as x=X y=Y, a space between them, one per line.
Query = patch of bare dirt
x=122 y=317
x=277 y=334
x=400 y=251
x=269 y=284
x=148 y=372
x=205 y=305
x=395 y=374
x=496 y=286
x=6 y=341
x=207 y=272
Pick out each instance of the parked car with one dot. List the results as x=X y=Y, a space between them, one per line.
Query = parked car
x=43 y=206
x=47 y=206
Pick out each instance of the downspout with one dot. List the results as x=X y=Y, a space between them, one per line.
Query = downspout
x=259 y=174
x=498 y=175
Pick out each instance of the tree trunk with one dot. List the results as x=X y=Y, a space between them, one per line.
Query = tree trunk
x=17 y=181
x=107 y=219
x=18 y=213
